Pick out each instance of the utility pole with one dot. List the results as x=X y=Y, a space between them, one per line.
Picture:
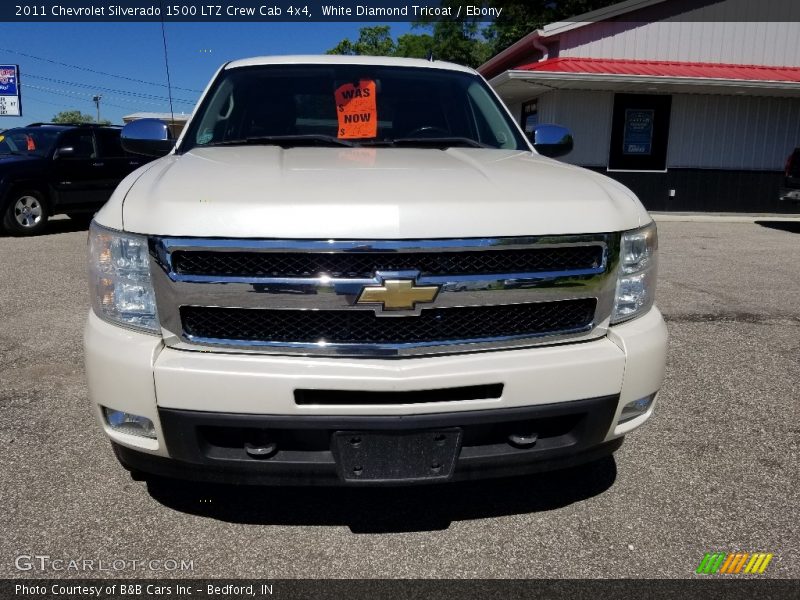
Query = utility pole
x=96 y=100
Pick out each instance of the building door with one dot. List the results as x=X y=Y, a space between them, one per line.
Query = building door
x=639 y=132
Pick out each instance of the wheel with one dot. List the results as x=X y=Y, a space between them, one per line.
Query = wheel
x=26 y=213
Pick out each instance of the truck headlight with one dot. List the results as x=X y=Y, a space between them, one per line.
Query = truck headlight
x=119 y=279
x=636 y=284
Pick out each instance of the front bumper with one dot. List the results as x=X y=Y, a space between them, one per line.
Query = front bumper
x=178 y=390
x=210 y=446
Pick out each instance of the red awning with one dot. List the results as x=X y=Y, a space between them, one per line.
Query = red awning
x=658 y=68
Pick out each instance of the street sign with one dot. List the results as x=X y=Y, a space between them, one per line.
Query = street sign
x=10 y=105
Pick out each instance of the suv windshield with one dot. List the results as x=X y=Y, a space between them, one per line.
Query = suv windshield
x=31 y=141
x=351 y=105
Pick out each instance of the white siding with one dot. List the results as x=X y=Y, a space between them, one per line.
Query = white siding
x=706 y=131
x=588 y=116
x=732 y=132
x=677 y=30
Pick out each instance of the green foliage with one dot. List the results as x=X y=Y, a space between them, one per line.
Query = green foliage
x=467 y=42
x=460 y=42
x=76 y=116
x=520 y=17
x=412 y=45
x=372 y=41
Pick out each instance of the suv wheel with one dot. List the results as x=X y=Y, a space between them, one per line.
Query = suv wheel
x=26 y=213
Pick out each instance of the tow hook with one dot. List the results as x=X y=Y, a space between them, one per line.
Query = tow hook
x=261 y=447
x=523 y=440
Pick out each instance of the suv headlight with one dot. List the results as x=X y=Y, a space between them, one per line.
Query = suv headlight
x=636 y=283
x=119 y=279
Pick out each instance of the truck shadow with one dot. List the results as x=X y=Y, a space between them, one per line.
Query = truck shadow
x=788 y=226
x=65 y=226
x=385 y=510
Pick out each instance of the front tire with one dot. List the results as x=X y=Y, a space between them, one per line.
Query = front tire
x=26 y=213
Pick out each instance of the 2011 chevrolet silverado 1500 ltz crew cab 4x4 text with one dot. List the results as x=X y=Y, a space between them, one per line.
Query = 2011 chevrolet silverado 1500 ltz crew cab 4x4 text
x=358 y=270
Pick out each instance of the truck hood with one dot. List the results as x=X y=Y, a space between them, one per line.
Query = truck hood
x=370 y=193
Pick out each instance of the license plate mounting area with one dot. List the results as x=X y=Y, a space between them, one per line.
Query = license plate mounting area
x=401 y=457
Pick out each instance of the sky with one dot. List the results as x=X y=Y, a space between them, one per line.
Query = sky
x=110 y=55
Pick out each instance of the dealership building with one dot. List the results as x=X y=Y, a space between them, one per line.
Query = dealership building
x=693 y=104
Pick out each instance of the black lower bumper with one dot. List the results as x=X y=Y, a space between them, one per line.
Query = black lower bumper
x=320 y=450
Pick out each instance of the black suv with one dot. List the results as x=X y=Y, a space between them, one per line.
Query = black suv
x=48 y=169
x=791 y=184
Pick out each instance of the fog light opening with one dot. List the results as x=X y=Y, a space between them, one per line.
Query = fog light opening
x=636 y=408
x=129 y=423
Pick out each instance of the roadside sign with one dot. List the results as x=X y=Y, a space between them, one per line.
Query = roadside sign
x=10 y=105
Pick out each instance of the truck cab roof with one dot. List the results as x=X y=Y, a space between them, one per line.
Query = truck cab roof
x=346 y=60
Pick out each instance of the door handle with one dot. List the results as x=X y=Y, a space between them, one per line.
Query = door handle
x=98 y=164
x=134 y=163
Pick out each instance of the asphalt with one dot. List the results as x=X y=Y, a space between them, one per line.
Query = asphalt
x=714 y=470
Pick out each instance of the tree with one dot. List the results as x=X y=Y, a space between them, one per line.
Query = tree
x=76 y=116
x=452 y=41
x=468 y=41
x=460 y=42
x=372 y=41
x=519 y=17
x=410 y=45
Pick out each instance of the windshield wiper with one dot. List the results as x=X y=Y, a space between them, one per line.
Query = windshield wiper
x=441 y=142
x=286 y=141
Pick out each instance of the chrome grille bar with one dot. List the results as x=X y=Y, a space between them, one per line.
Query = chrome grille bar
x=323 y=292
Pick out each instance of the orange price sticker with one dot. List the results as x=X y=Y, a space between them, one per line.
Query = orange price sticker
x=357 y=110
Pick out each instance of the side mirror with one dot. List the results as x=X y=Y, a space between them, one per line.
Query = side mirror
x=551 y=140
x=64 y=152
x=150 y=137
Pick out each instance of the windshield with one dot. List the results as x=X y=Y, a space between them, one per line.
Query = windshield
x=351 y=105
x=31 y=141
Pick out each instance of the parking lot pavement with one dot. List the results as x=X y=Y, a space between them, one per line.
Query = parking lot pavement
x=714 y=470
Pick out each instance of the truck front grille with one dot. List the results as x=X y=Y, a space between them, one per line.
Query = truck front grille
x=469 y=324
x=306 y=296
x=364 y=265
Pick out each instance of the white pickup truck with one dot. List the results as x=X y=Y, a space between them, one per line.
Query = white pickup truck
x=357 y=270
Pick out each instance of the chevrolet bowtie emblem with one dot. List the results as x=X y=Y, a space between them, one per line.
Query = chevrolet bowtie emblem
x=397 y=294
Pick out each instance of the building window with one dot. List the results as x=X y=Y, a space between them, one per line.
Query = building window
x=530 y=116
x=639 y=132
